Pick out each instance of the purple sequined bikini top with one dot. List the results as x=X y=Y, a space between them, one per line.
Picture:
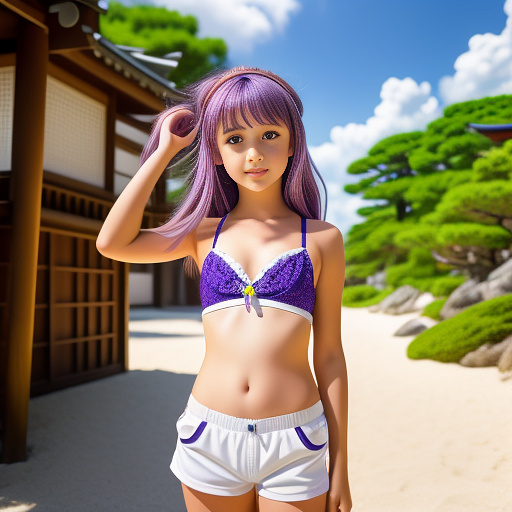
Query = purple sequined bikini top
x=287 y=282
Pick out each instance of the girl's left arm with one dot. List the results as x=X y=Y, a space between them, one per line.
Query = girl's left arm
x=329 y=363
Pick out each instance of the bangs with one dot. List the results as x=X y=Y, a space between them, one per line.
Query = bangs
x=248 y=99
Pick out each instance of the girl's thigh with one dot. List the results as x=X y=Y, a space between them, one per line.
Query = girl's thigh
x=316 y=504
x=197 y=501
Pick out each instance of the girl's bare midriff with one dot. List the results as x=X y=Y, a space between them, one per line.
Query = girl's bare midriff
x=255 y=367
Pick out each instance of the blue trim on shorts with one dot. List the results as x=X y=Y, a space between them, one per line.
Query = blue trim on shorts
x=195 y=436
x=306 y=442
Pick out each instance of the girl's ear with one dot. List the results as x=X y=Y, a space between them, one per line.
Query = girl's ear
x=291 y=149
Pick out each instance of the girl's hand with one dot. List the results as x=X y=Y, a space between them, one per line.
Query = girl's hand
x=338 y=497
x=177 y=131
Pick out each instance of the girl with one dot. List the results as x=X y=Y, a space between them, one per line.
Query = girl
x=257 y=427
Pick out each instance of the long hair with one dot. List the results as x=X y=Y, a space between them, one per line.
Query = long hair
x=231 y=100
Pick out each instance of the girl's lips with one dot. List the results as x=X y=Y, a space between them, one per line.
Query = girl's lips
x=256 y=172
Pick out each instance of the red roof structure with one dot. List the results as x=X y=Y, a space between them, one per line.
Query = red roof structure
x=495 y=132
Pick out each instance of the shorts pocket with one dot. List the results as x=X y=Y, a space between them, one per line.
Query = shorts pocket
x=189 y=430
x=195 y=436
x=313 y=435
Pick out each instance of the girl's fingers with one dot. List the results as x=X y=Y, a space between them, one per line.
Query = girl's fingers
x=178 y=129
x=182 y=122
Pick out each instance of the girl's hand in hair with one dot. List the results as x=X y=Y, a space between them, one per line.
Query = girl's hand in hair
x=177 y=131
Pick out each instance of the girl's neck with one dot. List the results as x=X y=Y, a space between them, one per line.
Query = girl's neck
x=262 y=205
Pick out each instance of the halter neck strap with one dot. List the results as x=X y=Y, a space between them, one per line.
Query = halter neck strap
x=217 y=232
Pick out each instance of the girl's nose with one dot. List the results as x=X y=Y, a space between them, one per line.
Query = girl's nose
x=253 y=155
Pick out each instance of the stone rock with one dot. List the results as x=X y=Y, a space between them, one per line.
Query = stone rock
x=465 y=295
x=504 y=270
x=499 y=286
x=415 y=326
x=400 y=301
x=423 y=300
x=488 y=354
x=505 y=362
x=378 y=280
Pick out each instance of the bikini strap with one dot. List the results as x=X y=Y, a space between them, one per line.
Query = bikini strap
x=303 y=230
x=219 y=227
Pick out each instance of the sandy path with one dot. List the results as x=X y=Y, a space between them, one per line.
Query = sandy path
x=423 y=436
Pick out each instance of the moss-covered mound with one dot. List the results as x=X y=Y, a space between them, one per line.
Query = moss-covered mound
x=433 y=309
x=363 y=295
x=486 y=322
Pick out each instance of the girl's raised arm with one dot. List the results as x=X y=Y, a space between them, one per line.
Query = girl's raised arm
x=121 y=237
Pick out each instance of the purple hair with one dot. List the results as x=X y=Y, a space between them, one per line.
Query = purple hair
x=211 y=192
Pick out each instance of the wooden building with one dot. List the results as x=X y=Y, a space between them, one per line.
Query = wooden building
x=495 y=132
x=75 y=111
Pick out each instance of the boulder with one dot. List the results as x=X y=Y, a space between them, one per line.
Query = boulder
x=415 y=326
x=498 y=283
x=423 y=300
x=462 y=297
x=504 y=270
x=488 y=354
x=499 y=286
x=505 y=362
x=378 y=280
x=400 y=301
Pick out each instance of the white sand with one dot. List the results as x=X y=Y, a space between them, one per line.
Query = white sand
x=423 y=436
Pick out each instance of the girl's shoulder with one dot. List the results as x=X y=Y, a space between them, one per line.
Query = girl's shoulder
x=207 y=227
x=324 y=232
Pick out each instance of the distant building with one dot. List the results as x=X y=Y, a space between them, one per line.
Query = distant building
x=495 y=132
x=75 y=111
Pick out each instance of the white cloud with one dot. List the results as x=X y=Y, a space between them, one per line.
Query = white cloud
x=405 y=106
x=485 y=69
x=241 y=23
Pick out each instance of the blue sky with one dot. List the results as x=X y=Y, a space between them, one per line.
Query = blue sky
x=338 y=53
x=365 y=69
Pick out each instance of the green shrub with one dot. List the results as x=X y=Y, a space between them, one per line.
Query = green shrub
x=433 y=309
x=486 y=322
x=443 y=286
x=363 y=295
x=420 y=264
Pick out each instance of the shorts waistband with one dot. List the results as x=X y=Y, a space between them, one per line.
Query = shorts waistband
x=261 y=426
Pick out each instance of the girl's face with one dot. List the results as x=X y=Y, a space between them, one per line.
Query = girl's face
x=254 y=157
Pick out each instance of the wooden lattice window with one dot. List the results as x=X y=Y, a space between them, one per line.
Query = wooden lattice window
x=79 y=334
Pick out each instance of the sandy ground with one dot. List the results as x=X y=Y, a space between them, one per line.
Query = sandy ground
x=423 y=436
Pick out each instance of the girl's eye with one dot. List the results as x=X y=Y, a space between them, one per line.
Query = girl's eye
x=235 y=139
x=270 y=135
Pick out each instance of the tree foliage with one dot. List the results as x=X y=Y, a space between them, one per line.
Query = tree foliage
x=160 y=31
x=446 y=191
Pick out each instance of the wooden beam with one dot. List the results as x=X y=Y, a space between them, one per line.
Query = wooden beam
x=26 y=188
x=7 y=59
x=26 y=11
x=114 y=79
x=110 y=145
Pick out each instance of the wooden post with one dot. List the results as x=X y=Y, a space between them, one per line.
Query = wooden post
x=110 y=145
x=27 y=180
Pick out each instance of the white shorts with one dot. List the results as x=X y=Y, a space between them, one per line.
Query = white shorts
x=283 y=456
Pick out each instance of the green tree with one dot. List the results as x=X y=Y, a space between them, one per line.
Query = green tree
x=160 y=31
x=451 y=194
x=388 y=165
x=447 y=144
x=496 y=164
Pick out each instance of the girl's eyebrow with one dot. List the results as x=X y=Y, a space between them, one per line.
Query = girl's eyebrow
x=239 y=127
x=234 y=129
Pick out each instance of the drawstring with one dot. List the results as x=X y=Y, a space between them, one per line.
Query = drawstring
x=251 y=298
x=248 y=293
